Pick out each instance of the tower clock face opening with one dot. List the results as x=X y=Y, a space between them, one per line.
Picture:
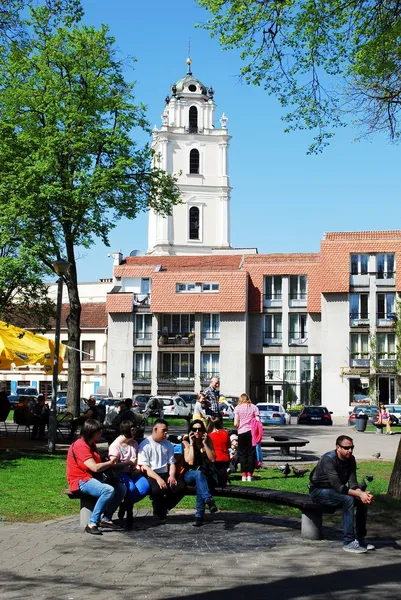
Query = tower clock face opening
x=192 y=87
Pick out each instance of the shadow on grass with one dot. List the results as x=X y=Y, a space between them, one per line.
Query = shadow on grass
x=12 y=458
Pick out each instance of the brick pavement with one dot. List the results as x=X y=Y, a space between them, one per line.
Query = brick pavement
x=234 y=556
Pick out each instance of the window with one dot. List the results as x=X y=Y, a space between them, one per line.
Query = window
x=176 y=324
x=305 y=369
x=211 y=326
x=142 y=365
x=290 y=368
x=273 y=327
x=359 y=345
x=386 y=346
x=88 y=350
x=193 y=120
x=273 y=367
x=178 y=364
x=298 y=287
x=359 y=264
x=273 y=287
x=385 y=266
x=197 y=287
x=385 y=306
x=194 y=223
x=143 y=327
x=194 y=161
x=210 y=365
x=298 y=329
x=359 y=306
x=145 y=285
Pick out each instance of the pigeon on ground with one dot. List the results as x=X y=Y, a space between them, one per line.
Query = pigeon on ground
x=377 y=455
x=299 y=472
x=284 y=469
x=369 y=478
x=363 y=485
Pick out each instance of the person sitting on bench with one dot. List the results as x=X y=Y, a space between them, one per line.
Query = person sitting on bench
x=328 y=486
x=91 y=413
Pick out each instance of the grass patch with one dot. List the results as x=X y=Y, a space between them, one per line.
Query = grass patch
x=394 y=428
x=31 y=485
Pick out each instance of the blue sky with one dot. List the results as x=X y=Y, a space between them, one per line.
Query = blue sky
x=282 y=200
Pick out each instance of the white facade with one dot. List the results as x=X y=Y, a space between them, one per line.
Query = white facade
x=189 y=146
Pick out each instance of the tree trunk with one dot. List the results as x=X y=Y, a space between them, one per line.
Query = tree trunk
x=394 y=488
x=74 y=336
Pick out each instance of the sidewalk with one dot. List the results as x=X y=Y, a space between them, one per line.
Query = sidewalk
x=232 y=557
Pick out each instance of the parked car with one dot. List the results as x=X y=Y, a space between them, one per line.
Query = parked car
x=175 y=406
x=273 y=414
x=315 y=415
x=61 y=404
x=13 y=400
x=189 y=398
x=371 y=411
x=99 y=397
x=139 y=402
x=395 y=413
x=27 y=391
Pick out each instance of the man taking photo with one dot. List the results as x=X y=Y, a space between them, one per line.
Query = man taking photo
x=333 y=483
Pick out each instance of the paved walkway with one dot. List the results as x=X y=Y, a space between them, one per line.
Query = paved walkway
x=232 y=557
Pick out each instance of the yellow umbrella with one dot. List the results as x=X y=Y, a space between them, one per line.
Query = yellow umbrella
x=23 y=347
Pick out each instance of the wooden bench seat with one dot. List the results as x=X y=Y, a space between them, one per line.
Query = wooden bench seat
x=312 y=513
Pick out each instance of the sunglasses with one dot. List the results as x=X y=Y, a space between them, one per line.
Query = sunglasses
x=197 y=429
x=347 y=447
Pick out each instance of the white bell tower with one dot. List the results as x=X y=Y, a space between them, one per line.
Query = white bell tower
x=189 y=146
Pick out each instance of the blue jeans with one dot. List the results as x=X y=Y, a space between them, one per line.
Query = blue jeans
x=109 y=498
x=330 y=497
x=203 y=495
x=137 y=488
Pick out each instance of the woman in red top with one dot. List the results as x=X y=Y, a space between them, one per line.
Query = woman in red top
x=83 y=461
x=221 y=443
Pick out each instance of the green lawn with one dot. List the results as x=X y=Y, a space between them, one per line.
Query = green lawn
x=31 y=487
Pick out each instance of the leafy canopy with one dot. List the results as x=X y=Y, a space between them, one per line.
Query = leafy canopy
x=327 y=61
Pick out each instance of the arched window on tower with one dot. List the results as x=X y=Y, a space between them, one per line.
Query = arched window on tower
x=193 y=120
x=194 y=161
x=194 y=223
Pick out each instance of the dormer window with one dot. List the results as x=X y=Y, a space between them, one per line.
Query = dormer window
x=193 y=119
x=192 y=87
x=194 y=223
x=194 y=161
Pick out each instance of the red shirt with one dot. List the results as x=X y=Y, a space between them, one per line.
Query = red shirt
x=78 y=453
x=221 y=444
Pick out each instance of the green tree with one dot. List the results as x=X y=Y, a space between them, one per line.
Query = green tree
x=315 y=393
x=327 y=62
x=69 y=166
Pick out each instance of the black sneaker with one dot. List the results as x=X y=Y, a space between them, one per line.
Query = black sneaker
x=94 y=530
x=212 y=505
x=198 y=522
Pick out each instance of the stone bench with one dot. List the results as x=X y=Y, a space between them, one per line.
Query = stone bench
x=284 y=443
x=312 y=513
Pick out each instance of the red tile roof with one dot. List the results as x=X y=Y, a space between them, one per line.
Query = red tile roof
x=93 y=315
x=120 y=302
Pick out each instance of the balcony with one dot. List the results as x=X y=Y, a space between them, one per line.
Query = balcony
x=178 y=380
x=386 y=319
x=210 y=338
x=296 y=338
x=142 y=339
x=272 y=300
x=185 y=338
x=206 y=376
x=387 y=361
x=359 y=319
x=360 y=360
x=141 y=377
x=385 y=278
x=141 y=301
x=359 y=279
x=297 y=300
x=272 y=338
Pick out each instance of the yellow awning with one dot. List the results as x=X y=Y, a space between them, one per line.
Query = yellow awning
x=23 y=347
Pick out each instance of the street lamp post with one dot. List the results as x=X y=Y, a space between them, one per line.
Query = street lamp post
x=60 y=267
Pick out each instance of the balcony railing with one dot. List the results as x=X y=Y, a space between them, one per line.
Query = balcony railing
x=297 y=299
x=141 y=377
x=386 y=319
x=174 y=378
x=359 y=319
x=359 y=279
x=272 y=338
x=385 y=278
x=141 y=301
x=298 y=338
x=142 y=339
x=210 y=338
x=206 y=376
x=184 y=338
x=359 y=359
x=273 y=299
x=387 y=360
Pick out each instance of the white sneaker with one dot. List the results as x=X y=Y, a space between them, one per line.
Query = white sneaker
x=354 y=547
x=244 y=478
x=366 y=544
x=249 y=478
